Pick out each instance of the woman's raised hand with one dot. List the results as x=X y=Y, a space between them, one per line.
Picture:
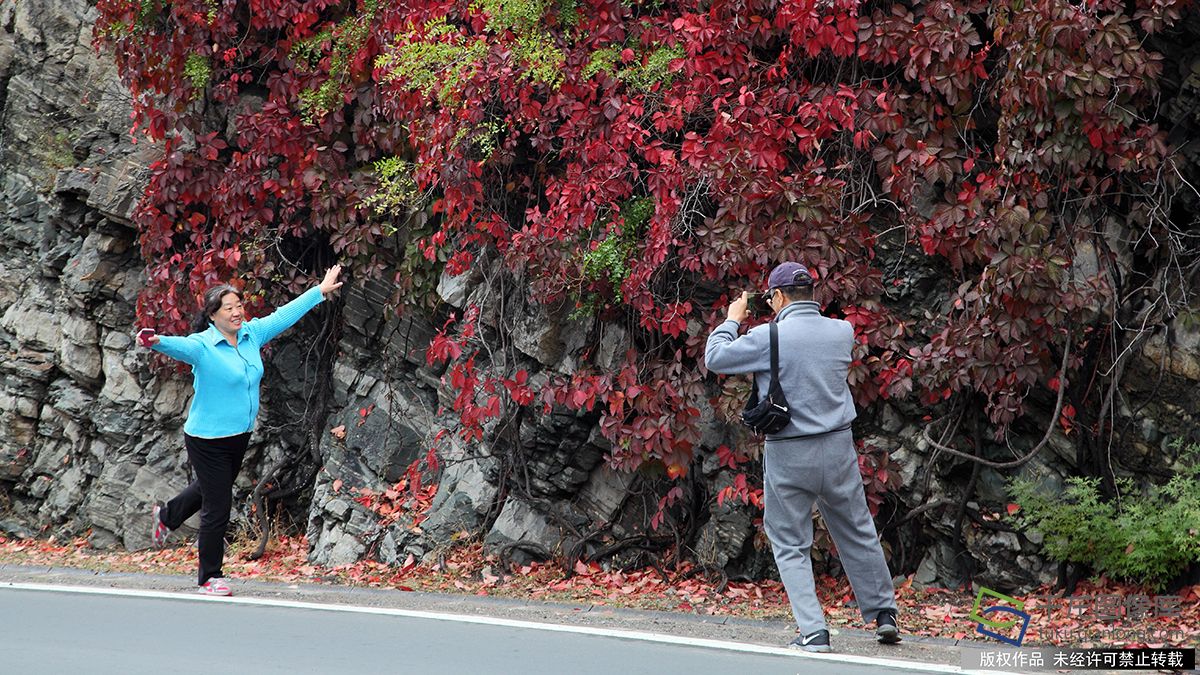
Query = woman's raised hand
x=330 y=283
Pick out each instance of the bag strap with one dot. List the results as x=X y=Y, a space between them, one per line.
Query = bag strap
x=774 y=355
x=774 y=369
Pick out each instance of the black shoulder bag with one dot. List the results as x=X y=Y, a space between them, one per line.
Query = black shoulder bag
x=772 y=413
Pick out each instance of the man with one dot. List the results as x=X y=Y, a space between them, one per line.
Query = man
x=813 y=458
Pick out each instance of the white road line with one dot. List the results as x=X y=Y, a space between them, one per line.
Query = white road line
x=509 y=623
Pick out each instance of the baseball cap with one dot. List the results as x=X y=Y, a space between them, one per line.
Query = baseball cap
x=789 y=274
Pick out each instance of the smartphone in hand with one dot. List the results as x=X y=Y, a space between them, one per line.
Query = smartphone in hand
x=144 y=335
x=755 y=303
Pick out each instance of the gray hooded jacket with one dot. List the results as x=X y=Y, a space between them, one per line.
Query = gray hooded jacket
x=814 y=360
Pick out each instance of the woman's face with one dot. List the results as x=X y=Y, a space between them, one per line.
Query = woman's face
x=228 y=319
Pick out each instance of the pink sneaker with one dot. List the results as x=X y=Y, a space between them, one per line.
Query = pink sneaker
x=216 y=586
x=160 y=532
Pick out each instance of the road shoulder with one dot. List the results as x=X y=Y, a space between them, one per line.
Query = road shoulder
x=770 y=634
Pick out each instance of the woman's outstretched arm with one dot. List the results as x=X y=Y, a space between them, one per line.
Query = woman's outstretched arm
x=266 y=328
x=179 y=348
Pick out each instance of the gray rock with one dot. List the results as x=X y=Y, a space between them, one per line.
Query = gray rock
x=34 y=326
x=27 y=214
x=992 y=486
x=724 y=536
x=386 y=444
x=1150 y=432
x=544 y=333
x=113 y=186
x=56 y=258
x=1181 y=355
x=120 y=386
x=84 y=363
x=518 y=521
x=15 y=529
x=81 y=331
x=890 y=419
x=66 y=491
x=103 y=539
x=463 y=498
x=926 y=573
x=172 y=399
x=560 y=455
x=998 y=554
x=90 y=269
x=19 y=405
x=454 y=290
x=71 y=400
x=39 y=486
x=115 y=424
x=14 y=460
x=104 y=504
x=51 y=457
x=338 y=508
x=386 y=552
x=614 y=343
x=910 y=463
x=606 y=489
x=339 y=548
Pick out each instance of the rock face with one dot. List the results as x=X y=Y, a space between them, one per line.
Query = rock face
x=90 y=431
x=88 y=436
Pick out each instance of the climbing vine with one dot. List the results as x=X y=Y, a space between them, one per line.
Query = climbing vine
x=642 y=161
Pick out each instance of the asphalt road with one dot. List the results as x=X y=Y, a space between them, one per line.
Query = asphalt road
x=56 y=632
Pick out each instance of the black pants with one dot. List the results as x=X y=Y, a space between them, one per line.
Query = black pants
x=216 y=462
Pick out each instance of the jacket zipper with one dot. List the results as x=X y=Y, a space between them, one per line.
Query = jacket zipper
x=249 y=398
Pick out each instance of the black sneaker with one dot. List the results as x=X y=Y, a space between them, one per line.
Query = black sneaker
x=816 y=641
x=886 y=630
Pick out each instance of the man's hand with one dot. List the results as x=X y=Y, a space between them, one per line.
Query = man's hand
x=738 y=308
x=330 y=283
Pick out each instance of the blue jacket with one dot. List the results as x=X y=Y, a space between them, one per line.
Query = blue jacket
x=814 y=360
x=226 y=378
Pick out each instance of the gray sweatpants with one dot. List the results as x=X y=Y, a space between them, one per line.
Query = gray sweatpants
x=822 y=469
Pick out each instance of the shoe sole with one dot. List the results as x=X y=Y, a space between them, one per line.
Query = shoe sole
x=888 y=635
x=819 y=649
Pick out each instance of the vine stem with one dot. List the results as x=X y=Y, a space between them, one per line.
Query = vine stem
x=1058 y=405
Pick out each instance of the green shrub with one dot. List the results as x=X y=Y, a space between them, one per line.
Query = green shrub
x=610 y=258
x=1148 y=537
x=656 y=69
x=198 y=71
x=397 y=191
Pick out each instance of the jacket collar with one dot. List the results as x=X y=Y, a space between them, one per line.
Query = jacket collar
x=798 y=308
x=214 y=337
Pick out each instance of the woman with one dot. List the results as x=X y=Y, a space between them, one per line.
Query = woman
x=226 y=368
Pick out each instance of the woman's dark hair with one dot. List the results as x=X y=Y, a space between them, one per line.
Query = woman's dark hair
x=212 y=302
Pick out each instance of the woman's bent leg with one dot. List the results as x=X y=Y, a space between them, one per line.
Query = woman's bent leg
x=183 y=506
